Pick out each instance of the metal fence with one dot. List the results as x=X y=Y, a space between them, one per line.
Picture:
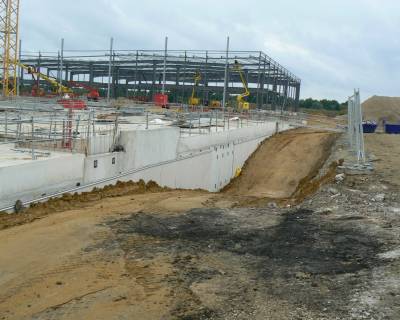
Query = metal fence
x=355 y=127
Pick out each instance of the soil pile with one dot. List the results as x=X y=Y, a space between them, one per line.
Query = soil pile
x=382 y=108
x=276 y=169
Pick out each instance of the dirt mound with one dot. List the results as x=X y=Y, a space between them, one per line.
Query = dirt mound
x=71 y=201
x=382 y=108
x=276 y=169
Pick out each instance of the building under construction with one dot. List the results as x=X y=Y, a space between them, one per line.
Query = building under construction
x=179 y=110
x=140 y=74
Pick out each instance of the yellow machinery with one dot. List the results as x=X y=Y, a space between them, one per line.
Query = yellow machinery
x=9 y=42
x=242 y=103
x=60 y=89
x=193 y=100
x=215 y=104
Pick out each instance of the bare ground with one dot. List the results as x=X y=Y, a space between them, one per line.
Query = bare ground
x=277 y=168
x=162 y=254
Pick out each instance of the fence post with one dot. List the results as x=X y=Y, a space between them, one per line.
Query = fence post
x=223 y=115
x=93 y=124
x=88 y=133
x=355 y=126
x=360 y=149
x=51 y=126
x=209 y=128
x=19 y=128
x=216 y=120
x=199 y=122
x=32 y=138
x=6 y=126
x=190 y=123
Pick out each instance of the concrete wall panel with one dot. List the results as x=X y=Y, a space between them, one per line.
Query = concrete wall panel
x=35 y=178
x=147 y=147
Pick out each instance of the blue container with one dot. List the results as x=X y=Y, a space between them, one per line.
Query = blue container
x=392 y=128
x=369 y=128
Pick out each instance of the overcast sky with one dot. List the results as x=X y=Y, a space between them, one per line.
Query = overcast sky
x=333 y=46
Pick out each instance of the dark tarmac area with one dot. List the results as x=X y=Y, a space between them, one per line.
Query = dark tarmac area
x=315 y=262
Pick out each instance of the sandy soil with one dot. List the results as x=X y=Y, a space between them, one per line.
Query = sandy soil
x=152 y=253
x=58 y=260
x=276 y=170
x=382 y=108
x=385 y=149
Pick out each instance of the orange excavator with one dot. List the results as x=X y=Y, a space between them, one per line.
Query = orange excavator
x=93 y=94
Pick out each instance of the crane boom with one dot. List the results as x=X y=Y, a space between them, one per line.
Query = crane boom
x=246 y=93
x=193 y=100
x=61 y=89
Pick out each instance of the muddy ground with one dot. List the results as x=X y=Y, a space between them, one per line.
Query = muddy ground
x=164 y=254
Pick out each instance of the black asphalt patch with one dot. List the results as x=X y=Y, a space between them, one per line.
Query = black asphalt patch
x=306 y=259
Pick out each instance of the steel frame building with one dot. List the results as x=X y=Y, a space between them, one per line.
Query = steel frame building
x=138 y=73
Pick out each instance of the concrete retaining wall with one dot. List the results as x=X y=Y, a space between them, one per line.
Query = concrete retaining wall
x=244 y=134
x=206 y=162
x=37 y=178
x=100 y=144
x=147 y=147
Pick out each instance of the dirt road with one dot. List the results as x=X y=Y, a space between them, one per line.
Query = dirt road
x=162 y=254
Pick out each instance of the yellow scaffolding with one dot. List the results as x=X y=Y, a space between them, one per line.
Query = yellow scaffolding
x=9 y=27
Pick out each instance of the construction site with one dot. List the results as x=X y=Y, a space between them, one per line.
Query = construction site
x=189 y=184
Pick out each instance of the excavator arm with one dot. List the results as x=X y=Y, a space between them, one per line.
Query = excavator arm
x=93 y=92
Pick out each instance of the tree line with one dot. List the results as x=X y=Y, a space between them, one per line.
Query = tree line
x=324 y=104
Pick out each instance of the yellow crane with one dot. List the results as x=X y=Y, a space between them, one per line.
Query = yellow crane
x=60 y=89
x=9 y=51
x=193 y=100
x=242 y=103
x=9 y=32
